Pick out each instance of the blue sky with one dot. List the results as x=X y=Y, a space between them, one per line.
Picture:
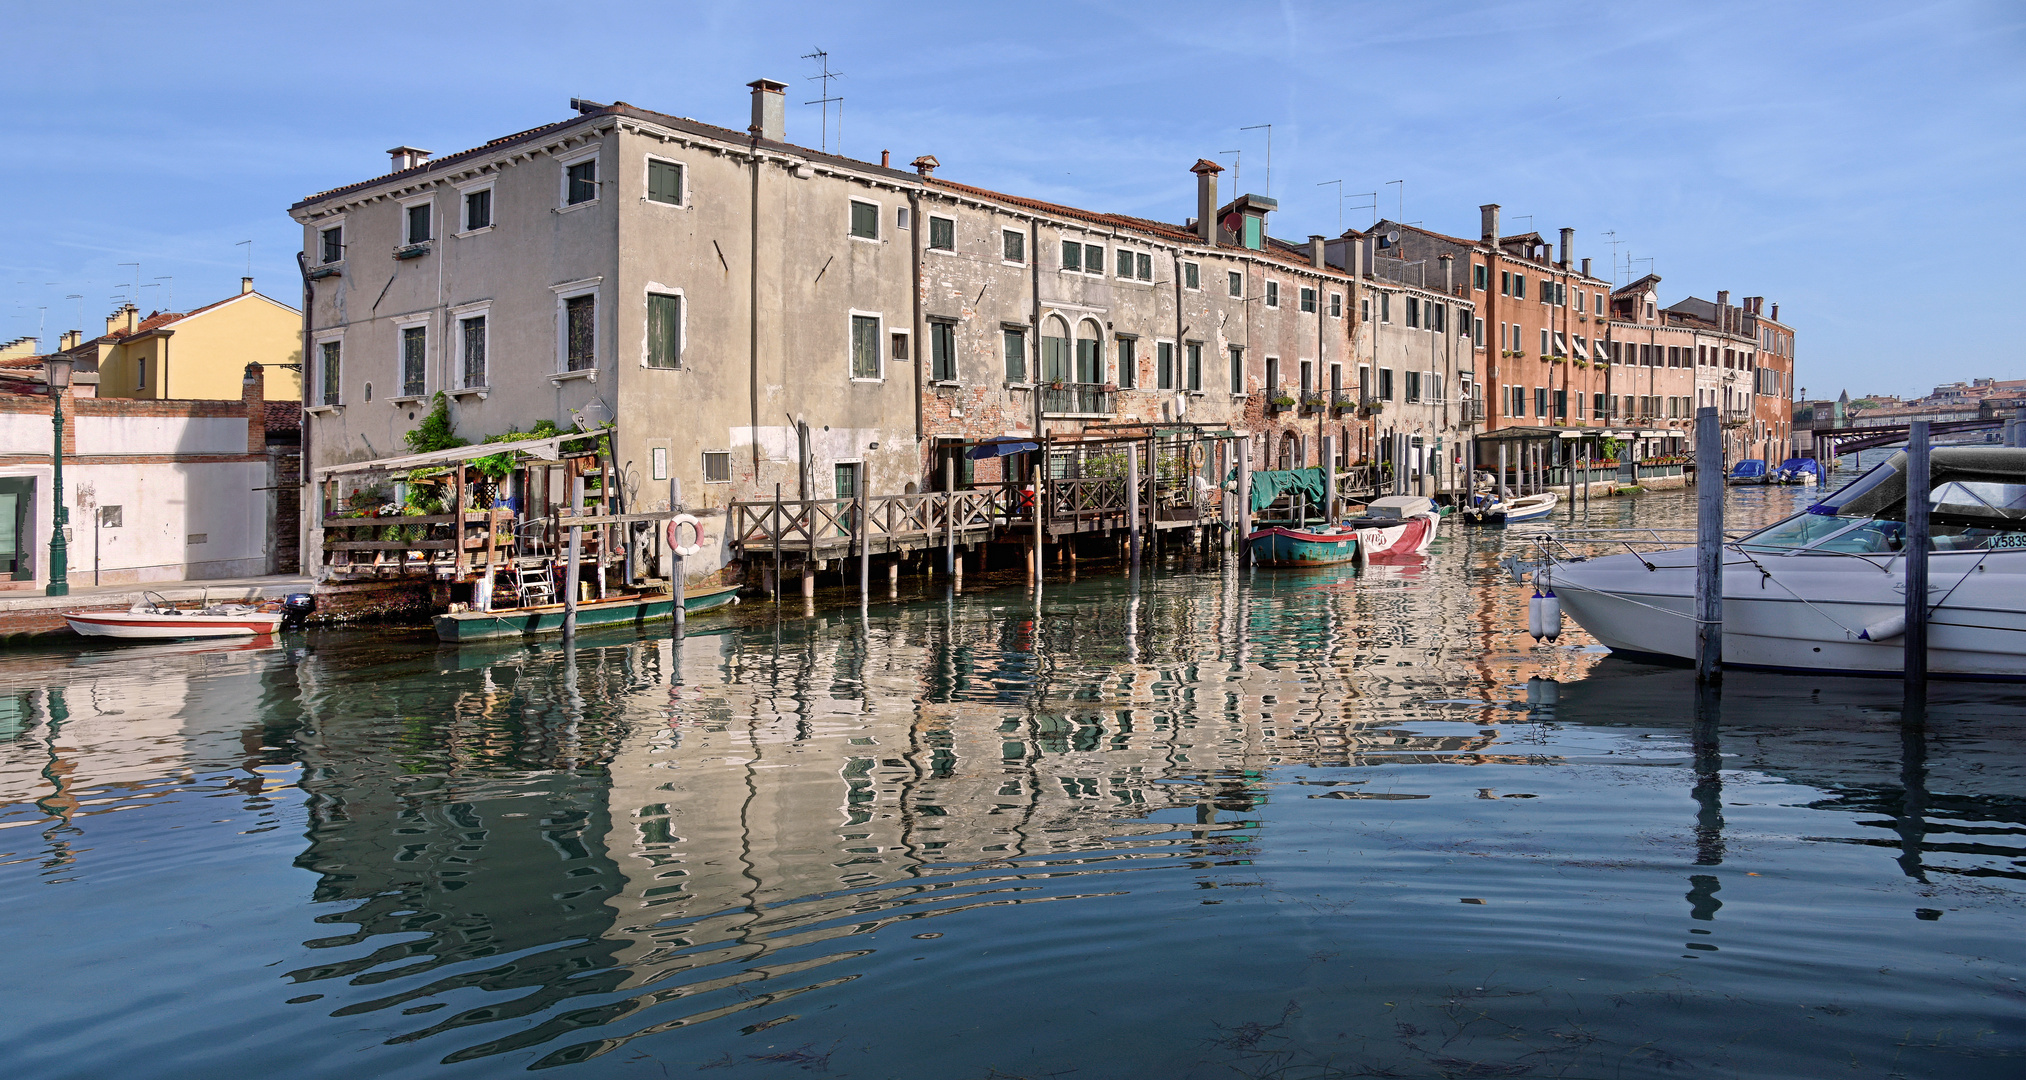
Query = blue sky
x=1857 y=163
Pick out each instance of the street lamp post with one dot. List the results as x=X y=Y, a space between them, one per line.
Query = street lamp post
x=56 y=370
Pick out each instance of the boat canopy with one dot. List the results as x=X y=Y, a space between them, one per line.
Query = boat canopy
x=1801 y=465
x=1269 y=485
x=1748 y=469
x=1981 y=485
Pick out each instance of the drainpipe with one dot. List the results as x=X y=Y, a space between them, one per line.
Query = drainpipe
x=753 y=312
x=309 y=501
x=914 y=213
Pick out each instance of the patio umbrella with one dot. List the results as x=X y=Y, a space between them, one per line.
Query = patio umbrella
x=1001 y=447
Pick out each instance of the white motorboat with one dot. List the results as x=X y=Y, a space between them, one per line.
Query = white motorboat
x=155 y=619
x=1823 y=591
x=1496 y=511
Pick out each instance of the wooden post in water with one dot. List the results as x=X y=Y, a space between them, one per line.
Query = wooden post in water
x=576 y=551
x=864 y=529
x=1133 y=509
x=774 y=526
x=950 y=516
x=1918 y=483
x=676 y=575
x=1039 y=552
x=1244 y=502
x=1709 y=540
x=1501 y=470
x=1575 y=452
x=1329 y=443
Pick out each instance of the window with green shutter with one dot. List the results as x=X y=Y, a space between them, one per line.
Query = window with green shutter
x=1129 y=363
x=1308 y=299
x=1125 y=263
x=942 y=234
x=1195 y=366
x=864 y=345
x=664 y=330
x=664 y=182
x=478 y=209
x=1192 y=276
x=1013 y=246
x=865 y=220
x=942 y=350
x=1093 y=259
x=583 y=182
x=1237 y=283
x=332 y=354
x=1143 y=267
x=1072 y=255
x=1164 y=365
x=418 y=223
x=1016 y=355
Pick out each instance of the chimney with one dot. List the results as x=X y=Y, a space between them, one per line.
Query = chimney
x=1586 y=267
x=1206 y=198
x=770 y=115
x=886 y=159
x=1448 y=273
x=926 y=165
x=1723 y=314
x=69 y=340
x=406 y=157
x=1489 y=213
x=1568 y=241
x=245 y=285
x=1315 y=250
x=253 y=399
x=1776 y=313
x=122 y=321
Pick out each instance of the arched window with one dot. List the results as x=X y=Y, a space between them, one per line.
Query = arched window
x=1089 y=353
x=1055 y=350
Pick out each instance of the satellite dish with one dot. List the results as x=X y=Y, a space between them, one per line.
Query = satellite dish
x=1393 y=237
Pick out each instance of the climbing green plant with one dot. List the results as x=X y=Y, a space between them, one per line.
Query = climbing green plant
x=434 y=432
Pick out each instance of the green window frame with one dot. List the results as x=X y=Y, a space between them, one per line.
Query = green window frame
x=1093 y=259
x=942 y=233
x=664 y=330
x=582 y=182
x=864 y=220
x=865 y=346
x=1013 y=246
x=664 y=182
x=1237 y=370
x=1164 y=365
x=1192 y=276
x=1015 y=344
x=1124 y=263
x=1129 y=363
x=333 y=361
x=418 y=223
x=942 y=349
x=1308 y=300
x=478 y=209
x=1054 y=358
x=1143 y=266
x=333 y=243
x=1072 y=255
x=1273 y=294
x=1236 y=281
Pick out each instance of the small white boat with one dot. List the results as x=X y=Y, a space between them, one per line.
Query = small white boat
x=1395 y=525
x=1495 y=511
x=1824 y=591
x=155 y=619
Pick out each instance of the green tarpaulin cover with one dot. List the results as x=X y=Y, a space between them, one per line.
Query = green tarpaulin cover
x=1270 y=484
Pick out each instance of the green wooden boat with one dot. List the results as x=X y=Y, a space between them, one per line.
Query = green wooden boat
x=593 y=614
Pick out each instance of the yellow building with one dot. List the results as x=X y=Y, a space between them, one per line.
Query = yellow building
x=200 y=354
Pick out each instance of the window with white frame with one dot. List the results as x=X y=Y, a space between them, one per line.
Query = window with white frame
x=1412 y=379
x=414 y=359
x=664 y=181
x=415 y=222
x=1143 y=266
x=865 y=347
x=1545 y=349
x=577 y=339
x=1273 y=294
x=477 y=208
x=1093 y=259
x=1013 y=245
x=1013 y=341
x=1308 y=300
x=331 y=244
x=942 y=349
x=1125 y=263
x=1129 y=362
x=664 y=330
x=942 y=233
x=864 y=220
x=580 y=180
x=1336 y=305
x=1413 y=313
x=330 y=370
x=1072 y=255
x=1192 y=275
x=1477 y=332
x=471 y=348
x=1236 y=283
x=1164 y=365
x=717 y=467
x=1237 y=360
x=1192 y=370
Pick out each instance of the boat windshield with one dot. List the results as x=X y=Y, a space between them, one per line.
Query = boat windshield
x=1965 y=515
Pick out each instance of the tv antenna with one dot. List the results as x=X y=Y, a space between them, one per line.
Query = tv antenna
x=248 y=244
x=1374 y=204
x=1614 y=242
x=79 y=297
x=136 y=298
x=168 y=291
x=1340 y=200
x=1400 y=209
x=1237 y=159
x=1269 y=156
x=824 y=74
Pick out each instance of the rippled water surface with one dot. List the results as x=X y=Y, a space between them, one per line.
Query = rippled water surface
x=1269 y=825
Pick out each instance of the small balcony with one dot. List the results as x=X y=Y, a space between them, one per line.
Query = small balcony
x=1314 y=401
x=1473 y=410
x=1079 y=399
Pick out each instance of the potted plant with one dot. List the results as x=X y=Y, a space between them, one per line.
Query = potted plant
x=1281 y=400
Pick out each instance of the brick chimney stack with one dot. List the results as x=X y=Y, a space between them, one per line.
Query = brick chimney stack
x=770 y=110
x=1489 y=214
x=253 y=398
x=1568 y=241
x=1206 y=198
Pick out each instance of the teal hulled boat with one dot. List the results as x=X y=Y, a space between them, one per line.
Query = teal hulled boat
x=548 y=618
x=1279 y=546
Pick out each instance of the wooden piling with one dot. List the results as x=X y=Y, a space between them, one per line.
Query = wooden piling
x=1040 y=539
x=1133 y=508
x=950 y=516
x=1501 y=470
x=861 y=526
x=676 y=575
x=1918 y=483
x=774 y=526
x=576 y=552
x=1709 y=538
x=1244 y=502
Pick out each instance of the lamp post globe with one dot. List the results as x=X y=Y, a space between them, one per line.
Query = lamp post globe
x=56 y=372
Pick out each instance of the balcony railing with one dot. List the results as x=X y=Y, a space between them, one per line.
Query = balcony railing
x=1473 y=410
x=1313 y=401
x=1078 y=399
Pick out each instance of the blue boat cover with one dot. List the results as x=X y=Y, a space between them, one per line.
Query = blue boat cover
x=1748 y=469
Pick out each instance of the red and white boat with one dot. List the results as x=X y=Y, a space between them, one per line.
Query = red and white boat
x=155 y=619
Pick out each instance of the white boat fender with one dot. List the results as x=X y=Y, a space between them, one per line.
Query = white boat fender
x=675 y=526
x=1551 y=615
x=1534 y=614
x=1884 y=629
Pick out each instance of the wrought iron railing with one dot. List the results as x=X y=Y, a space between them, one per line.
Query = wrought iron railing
x=1078 y=398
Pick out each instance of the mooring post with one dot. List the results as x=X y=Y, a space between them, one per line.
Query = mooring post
x=950 y=516
x=1501 y=470
x=1329 y=445
x=1709 y=540
x=576 y=551
x=863 y=527
x=774 y=526
x=1244 y=494
x=676 y=574
x=1918 y=480
x=1040 y=551
x=1133 y=509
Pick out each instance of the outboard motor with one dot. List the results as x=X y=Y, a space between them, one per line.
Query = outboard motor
x=296 y=609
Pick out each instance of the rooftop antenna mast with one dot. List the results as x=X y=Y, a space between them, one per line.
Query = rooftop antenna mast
x=1400 y=208
x=1269 y=156
x=79 y=297
x=824 y=74
x=1374 y=204
x=1340 y=201
x=1237 y=159
x=1614 y=242
x=168 y=290
x=248 y=244
x=136 y=298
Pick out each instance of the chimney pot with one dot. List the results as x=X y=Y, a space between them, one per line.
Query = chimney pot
x=926 y=165
x=406 y=157
x=1489 y=215
x=1315 y=249
x=245 y=285
x=1776 y=313
x=886 y=159
x=1586 y=267
x=1568 y=241
x=770 y=110
x=1206 y=198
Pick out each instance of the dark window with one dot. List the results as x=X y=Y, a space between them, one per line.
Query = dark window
x=333 y=243
x=1272 y=375
x=477 y=209
x=1237 y=370
x=1143 y=266
x=1477 y=332
x=864 y=347
x=331 y=358
x=897 y=350
x=1519 y=286
x=1013 y=246
x=583 y=182
x=1413 y=387
x=473 y=333
x=1336 y=305
x=1164 y=365
x=1093 y=258
x=1237 y=281
x=1089 y=358
x=1540 y=401
x=1308 y=299
x=1195 y=365
x=865 y=220
x=664 y=182
x=1413 y=312
x=414 y=360
x=1072 y=255
x=942 y=234
x=942 y=350
x=580 y=322
x=1273 y=294
x=418 y=223
x=1385 y=384
x=1192 y=276
x=1125 y=263
x=1480 y=276
x=717 y=467
x=1505 y=283
x=1561 y=404
x=664 y=330
x=1385 y=307
x=1016 y=355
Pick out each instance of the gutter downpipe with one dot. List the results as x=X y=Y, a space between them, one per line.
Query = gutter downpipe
x=753 y=311
x=1037 y=471
x=914 y=213
x=309 y=532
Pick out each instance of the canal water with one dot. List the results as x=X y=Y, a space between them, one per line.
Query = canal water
x=1289 y=825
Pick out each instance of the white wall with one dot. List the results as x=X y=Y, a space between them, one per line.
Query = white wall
x=163 y=509
x=26 y=433
x=157 y=434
